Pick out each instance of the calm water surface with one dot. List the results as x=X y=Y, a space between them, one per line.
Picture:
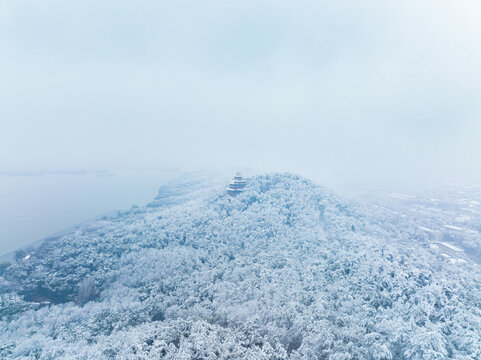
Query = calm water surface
x=36 y=205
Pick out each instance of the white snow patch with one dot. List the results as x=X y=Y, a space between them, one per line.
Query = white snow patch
x=452 y=227
x=427 y=229
x=401 y=196
x=452 y=247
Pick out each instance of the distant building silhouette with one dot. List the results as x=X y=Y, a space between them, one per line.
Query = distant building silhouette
x=236 y=185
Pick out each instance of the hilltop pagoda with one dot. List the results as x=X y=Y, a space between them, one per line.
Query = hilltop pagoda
x=236 y=185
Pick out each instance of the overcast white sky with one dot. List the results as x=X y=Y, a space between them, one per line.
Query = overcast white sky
x=329 y=89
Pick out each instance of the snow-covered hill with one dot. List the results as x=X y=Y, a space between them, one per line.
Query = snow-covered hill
x=285 y=270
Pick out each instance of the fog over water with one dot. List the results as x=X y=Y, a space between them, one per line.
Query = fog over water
x=36 y=205
x=341 y=92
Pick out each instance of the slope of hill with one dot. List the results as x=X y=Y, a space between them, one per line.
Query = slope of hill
x=285 y=270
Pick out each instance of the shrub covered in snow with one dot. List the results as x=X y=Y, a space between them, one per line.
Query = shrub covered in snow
x=284 y=270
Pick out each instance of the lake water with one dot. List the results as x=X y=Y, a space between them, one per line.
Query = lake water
x=36 y=205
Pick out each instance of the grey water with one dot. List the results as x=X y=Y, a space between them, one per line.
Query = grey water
x=35 y=205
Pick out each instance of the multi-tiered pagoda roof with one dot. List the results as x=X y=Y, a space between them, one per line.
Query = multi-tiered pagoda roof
x=236 y=185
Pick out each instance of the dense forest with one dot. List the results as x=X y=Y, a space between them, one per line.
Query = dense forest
x=284 y=270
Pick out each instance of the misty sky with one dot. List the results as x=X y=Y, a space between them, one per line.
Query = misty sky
x=329 y=89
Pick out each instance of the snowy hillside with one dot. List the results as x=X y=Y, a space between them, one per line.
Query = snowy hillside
x=285 y=270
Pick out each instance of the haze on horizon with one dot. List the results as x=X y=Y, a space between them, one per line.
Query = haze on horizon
x=366 y=90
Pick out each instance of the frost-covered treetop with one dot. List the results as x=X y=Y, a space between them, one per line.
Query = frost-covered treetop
x=284 y=270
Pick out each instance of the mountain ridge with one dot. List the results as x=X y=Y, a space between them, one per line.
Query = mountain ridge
x=286 y=269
